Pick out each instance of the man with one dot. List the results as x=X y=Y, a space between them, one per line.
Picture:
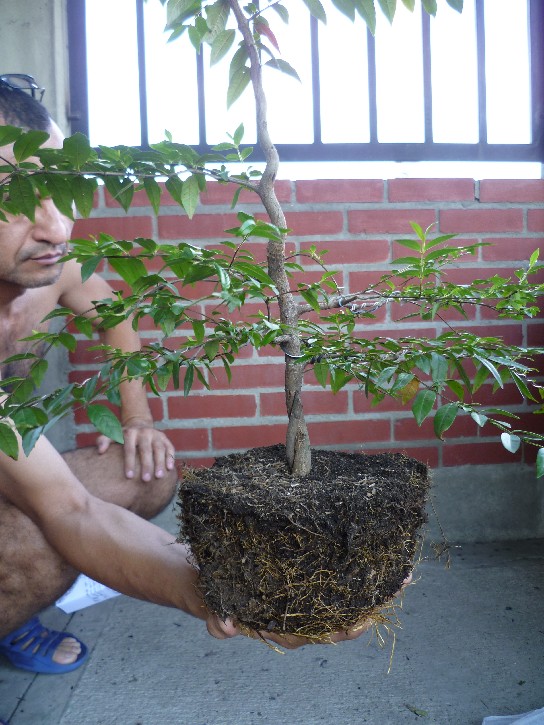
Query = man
x=80 y=512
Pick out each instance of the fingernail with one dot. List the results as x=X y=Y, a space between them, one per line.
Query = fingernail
x=159 y=474
x=130 y=474
x=146 y=477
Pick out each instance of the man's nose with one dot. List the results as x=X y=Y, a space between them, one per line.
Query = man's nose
x=50 y=225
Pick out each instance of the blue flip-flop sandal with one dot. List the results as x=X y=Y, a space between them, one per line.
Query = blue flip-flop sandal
x=32 y=646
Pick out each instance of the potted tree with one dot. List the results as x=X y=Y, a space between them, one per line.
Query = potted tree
x=286 y=539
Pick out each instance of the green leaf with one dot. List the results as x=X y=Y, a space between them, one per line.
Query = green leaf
x=346 y=7
x=367 y=11
x=456 y=387
x=238 y=135
x=189 y=378
x=439 y=368
x=89 y=267
x=153 y=191
x=190 y=195
x=221 y=45
x=122 y=190
x=22 y=195
x=321 y=372
x=211 y=348
x=456 y=5
x=9 y=134
x=491 y=368
x=37 y=371
x=410 y=243
x=522 y=386
x=444 y=418
x=198 y=329
x=310 y=296
x=283 y=66
x=282 y=12
x=423 y=404
x=316 y=9
x=27 y=144
x=8 y=441
x=511 y=442
x=388 y=7
x=479 y=418
x=410 y=4
x=61 y=193
x=238 y=84
x=174 y=186
x=430 y=6
x=83 y=192
x=238 y=61
x=130 y=269
x=105 y=422
x=78 y=149
x=540 y=463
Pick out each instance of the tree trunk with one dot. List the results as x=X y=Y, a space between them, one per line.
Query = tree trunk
x=298 y=442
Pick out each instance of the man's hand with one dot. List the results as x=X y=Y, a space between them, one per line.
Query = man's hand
x=225 y=630
x=152 y=446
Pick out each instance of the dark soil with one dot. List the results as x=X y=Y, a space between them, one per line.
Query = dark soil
x=308 y=555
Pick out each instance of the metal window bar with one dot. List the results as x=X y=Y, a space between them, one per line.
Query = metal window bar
x=319 y=151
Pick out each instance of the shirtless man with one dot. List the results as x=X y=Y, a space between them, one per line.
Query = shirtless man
x=80 y=512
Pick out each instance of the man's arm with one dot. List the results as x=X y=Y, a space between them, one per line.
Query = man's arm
x=111 y=544
x=105 y=541
x=155 y=451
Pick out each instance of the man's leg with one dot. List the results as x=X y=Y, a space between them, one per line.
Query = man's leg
x=32 y=575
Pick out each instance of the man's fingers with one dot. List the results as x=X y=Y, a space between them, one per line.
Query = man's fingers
x=129 y=451
x=145 y=450
x=221 y=630
x=102 y=443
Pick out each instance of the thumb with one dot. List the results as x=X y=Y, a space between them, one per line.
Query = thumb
x=102 y=443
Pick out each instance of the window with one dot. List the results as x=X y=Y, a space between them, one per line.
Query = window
x=457 y=87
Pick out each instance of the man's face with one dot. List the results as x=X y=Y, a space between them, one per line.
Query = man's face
x=29 y=251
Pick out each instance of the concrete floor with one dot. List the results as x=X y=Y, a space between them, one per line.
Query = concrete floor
x=471 y=645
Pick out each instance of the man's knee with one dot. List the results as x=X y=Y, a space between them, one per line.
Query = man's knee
x=104 y=476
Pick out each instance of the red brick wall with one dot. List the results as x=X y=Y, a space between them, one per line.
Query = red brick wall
x=358 y=222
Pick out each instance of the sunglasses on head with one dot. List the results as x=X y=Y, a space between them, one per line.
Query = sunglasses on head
x=22 y=82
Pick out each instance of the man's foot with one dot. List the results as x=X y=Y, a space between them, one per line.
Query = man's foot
x=35 y=648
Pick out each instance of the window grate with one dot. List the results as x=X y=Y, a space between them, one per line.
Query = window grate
x=318 y=150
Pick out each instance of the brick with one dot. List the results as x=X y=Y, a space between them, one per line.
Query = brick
x=339 y=190
x=513 y=190
x=458 y=221
x=315 y=223
x=244 y=437
x=83 y=355
x=463 y=454
x=400 y=190
x=211 y=406
x=350 y=251
x=407 y=429
x=217 y=193
x=429 y=455
x=535 y=334
x=188 y=439
x=510 y=249
x=363 y=405
x=535 y=220
x=122 y=227
x=343 y=432
x=388 y=221
x=324 y=402
x=86 y=440
x=201 y=226
x=248 y=377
